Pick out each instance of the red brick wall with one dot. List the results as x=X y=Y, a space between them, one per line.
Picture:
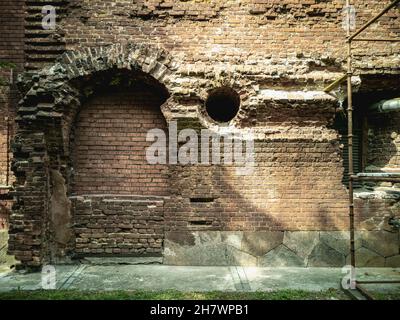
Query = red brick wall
x=384 y=141
x=12 y=51
x=296 y=185
x=248 y=31
x=110 y=143
x=4 y=103
x=12 y=14
x=119 y=225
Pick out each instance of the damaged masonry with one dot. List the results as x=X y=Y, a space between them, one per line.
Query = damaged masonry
x=78 y=185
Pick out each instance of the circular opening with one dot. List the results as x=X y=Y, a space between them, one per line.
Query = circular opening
x=223 y=104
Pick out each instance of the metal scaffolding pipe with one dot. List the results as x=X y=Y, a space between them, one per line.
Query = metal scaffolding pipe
x=385 y=106
x=7 y=119
x=379 y=175
x=350 y=109
x=376 y=179
x=350 y=142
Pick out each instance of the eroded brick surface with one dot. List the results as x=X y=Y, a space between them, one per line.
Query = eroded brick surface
x=11 y=52
x=277 y=55
x=110 y=145
x=119 y=225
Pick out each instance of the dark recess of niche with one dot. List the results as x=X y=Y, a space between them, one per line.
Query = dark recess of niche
x=201 y=200
x=200 y=223
x=223 y=104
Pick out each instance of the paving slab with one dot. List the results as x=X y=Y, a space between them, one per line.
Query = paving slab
x=195 y=279
x=33 y=281
x=308 y=279
x=155 y=278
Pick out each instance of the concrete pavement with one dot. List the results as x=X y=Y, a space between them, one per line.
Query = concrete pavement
x=88 y=277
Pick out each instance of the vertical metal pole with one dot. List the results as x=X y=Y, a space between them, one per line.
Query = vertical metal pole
x=7 y=119
x=350 y=138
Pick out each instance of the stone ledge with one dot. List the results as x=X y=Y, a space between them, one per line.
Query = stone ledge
x=109 y=261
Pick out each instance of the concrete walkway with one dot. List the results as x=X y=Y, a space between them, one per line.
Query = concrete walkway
x=198 y=279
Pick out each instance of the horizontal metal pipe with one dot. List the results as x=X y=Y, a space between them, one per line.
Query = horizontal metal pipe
x=385 y=106
x=376 y=179
x=379 y=174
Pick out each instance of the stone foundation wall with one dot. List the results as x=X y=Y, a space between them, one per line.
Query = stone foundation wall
x=282 y=248
x=377 y=241
x=118 y=225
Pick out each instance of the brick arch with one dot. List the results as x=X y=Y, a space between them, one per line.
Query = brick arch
x=52 y=98
x=57 y=89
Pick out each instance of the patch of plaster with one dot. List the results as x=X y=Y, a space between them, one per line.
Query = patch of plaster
x=60 y=213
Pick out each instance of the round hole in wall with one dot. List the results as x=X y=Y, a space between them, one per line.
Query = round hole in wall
x=223 y=104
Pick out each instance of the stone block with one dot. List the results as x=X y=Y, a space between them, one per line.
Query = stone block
x=325 y=256
x=206 y=248
x=393 y=262
x=339 y=240
x=301 y=242
x=260 y=243
x=367 y=258
x=281 y=257
x=233 y=239
x=383 y=243
x=205 y=255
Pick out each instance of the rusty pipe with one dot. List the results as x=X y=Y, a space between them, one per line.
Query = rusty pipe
x=7 y=119
x=350 y=142
x=386 y=106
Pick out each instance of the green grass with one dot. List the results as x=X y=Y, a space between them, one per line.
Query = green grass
x=331 y=294
x=386 y=296
x=170 y=295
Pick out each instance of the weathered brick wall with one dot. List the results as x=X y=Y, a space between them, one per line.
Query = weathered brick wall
x=289 y=190
x=239 y=32
x=374 y=210
x=12 y=13
x=42 y=46
x=252 y=46
x=5 y=209
x=297 y=42
x=384 y=141
x=129 y=225
x=109 y=152
x=11 y=51
x=3 y=134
